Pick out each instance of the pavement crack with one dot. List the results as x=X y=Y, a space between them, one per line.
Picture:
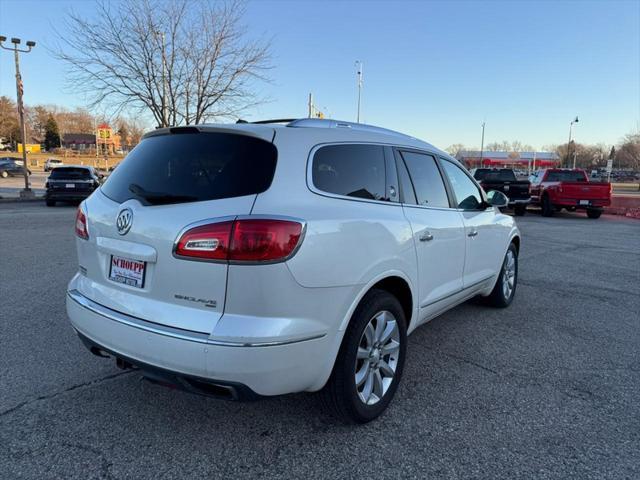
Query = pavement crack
x=62 y=392
x=470 y=362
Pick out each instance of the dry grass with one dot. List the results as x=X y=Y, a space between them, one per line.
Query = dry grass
x=35 y=161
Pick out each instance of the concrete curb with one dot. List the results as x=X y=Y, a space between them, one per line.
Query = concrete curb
x=18 y=199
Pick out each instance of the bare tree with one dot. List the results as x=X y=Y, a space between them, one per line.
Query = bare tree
x=184 y=61
x=628 y=153
x=454 y=149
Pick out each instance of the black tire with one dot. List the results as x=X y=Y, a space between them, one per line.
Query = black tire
x=520 y=210
x=547 y=207
x=340 y=395
x=50 y=203
x=594 y=212
x=497 y=297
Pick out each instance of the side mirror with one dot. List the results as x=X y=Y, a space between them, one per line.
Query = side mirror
x=497 y=199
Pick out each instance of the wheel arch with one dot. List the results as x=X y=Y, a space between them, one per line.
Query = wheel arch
x=396 y=283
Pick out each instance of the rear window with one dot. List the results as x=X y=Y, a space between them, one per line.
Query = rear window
x=77 y=173
x=565 y=176
x=504 y=175
x=351 y=170
x=193 y=167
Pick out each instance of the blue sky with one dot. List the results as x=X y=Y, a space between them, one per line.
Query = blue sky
x=432 y=69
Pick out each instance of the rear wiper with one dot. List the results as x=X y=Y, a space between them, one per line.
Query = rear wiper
x=158 y=198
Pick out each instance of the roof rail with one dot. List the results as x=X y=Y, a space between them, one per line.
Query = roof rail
x=277 y=120
x=326 y=123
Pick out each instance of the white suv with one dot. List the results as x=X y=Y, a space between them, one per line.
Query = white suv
x=252 y=260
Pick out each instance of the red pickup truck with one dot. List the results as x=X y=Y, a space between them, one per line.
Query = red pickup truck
x=555 y=188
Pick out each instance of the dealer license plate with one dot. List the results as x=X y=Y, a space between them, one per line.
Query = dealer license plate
x=584 y=202
x=70 y=185
x=127 y=271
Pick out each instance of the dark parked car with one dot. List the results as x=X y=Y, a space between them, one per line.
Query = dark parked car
x=9 y=167
x=71 y=184
x=504 y=180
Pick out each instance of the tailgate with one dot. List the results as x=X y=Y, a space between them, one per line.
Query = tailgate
x=513 y=190
x=585 y=191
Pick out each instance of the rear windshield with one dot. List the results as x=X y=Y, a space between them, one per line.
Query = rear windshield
x=565 y=176
x=69 y=173
x=504 y=175
x=192 y=167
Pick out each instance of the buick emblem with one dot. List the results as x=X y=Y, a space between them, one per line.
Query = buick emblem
x=124 y=221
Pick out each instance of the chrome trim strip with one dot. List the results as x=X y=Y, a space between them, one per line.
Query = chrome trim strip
x=457 y=291
x=172 y=332
x=224 y=343
x=135 y=322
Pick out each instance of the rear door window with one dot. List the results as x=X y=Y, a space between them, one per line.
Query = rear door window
x=352 y=170
x=192 y=167
x=426 y=179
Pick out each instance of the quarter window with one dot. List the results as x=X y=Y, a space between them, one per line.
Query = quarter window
x=350 y=170
x=467 y=193
x=427 y=181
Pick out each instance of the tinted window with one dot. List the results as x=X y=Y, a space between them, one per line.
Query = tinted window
x=503 y=175
x=565 y=176
x=79 y=173
x=190 y=167
x=351 y=170
x=408 y=194
x=467 y=194
x=426 y=179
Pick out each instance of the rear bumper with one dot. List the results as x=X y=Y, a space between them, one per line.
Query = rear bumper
x=189 y=383
x=182 y=357
x=519 y=201
x=572 y=202
x=66 y=195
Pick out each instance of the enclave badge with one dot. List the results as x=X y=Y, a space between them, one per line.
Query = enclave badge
x=124 y=221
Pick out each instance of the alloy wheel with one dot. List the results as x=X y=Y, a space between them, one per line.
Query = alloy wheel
x=508 y=274
x=377 y=357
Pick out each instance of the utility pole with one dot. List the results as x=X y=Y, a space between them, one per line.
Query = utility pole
x=310 y=105
x=27 y=192
x=569 y=144
x=165 y=119
x=95 y=131
x=534 y=163
x=482 y=146
x=359 y=67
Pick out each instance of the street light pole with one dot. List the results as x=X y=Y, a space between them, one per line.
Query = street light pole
x=27 y=192
x=164 y=83
x=165 y=120
x=359 y=66
x=569 y=144
x=482 y=146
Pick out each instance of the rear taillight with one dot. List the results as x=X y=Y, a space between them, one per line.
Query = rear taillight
x=209 y=241
x=81 y=224
x=242 y=240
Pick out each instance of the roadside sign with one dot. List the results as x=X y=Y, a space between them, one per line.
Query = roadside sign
x=609 y=165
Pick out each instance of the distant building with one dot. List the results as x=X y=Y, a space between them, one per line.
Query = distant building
x=108 y=141
x=517 y=160
x=79 y=141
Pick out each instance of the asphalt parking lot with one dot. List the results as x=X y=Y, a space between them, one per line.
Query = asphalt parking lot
x=548 y=388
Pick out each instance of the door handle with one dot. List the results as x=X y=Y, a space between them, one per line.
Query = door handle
x=426 y=237
x=472 y=233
